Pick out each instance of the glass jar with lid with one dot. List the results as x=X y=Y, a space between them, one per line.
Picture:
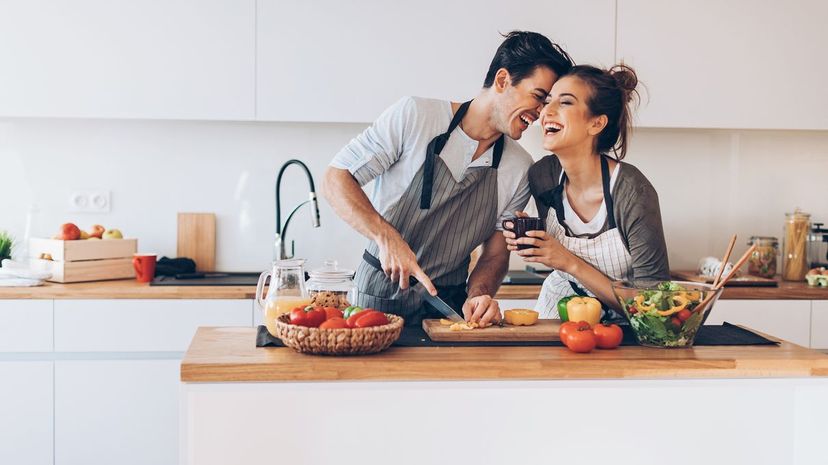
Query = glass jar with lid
x=762 y=261
x=794 y=246
x=331 y=286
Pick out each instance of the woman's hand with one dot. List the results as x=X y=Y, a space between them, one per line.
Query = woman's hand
x=548 y=251
x=511 y=242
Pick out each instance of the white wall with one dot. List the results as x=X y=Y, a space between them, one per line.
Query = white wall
x=711 y=182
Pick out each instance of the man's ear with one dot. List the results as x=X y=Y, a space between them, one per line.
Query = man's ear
x=597 y=125
x=502 y=80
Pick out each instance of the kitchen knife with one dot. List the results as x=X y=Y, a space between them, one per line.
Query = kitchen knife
x=441 y=306
x=435 y=301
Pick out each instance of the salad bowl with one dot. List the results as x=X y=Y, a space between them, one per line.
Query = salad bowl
x=666 y=314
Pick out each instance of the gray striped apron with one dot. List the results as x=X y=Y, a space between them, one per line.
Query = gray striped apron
x=442 y=220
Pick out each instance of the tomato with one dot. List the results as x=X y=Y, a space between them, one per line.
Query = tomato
x=684 y=315
x=570 y=327
x=307 y=316
x=355 y=316
x=369 y=319
x=632 y=310
x=334 y=323
x=608 y=336
x=582 y=340
x=676 y=322
x=333 y=312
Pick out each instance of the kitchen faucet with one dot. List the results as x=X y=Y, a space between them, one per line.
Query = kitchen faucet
x=279 y=247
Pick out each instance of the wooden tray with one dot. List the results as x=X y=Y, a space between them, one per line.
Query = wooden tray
x=739 y=281
x=543 y=330
x=85 y=270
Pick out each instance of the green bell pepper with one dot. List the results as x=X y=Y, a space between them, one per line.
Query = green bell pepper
x=562 y=308
x=350 y=311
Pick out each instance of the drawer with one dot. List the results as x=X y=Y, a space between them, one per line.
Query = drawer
x=819 y=324
x=786 y=319
x=141 y=325
x=25 y=325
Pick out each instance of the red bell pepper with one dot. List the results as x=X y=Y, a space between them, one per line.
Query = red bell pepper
x=309 y=316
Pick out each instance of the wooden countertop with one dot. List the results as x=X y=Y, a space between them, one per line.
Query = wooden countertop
x=230 y=355
x=130 y=289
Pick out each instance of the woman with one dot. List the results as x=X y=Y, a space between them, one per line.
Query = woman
x=603 y=221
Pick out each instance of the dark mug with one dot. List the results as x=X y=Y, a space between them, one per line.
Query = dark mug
x=521 y=225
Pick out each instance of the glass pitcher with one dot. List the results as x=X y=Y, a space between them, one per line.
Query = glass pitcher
x=286 y=291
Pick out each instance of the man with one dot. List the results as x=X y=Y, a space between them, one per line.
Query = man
x=446 y=175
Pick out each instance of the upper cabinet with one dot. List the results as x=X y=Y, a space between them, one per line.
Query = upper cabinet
x=178 y=59
x=329 y=60
x=733 y=64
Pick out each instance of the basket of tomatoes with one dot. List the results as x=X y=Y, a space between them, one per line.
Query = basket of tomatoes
x=331 y=331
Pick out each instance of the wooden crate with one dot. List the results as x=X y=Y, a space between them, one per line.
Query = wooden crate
x=84 y=260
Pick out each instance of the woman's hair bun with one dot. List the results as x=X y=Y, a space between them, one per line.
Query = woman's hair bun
x=625 y=78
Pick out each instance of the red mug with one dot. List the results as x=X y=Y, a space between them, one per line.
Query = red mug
x=144 y=264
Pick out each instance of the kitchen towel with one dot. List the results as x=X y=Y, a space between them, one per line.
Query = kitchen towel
x=412 y=336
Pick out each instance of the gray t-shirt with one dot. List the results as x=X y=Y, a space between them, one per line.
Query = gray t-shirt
x=392 y=150
x=636 y=211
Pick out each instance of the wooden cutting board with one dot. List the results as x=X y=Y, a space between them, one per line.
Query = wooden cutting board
x=738 y=281
x=197 y=239
x=543 y=330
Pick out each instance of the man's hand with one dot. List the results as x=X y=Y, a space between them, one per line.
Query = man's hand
x=399 y=262
x=482 y=309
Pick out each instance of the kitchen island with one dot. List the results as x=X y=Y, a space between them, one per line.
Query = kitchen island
x=418 y=405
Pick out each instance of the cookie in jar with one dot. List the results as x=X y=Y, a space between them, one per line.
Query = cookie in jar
x=331 y=286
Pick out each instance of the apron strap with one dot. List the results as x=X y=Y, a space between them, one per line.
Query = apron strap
x=435 y=147
x=605 y=178
x=555 y=197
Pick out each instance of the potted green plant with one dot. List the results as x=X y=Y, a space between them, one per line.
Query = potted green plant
x=6 y=243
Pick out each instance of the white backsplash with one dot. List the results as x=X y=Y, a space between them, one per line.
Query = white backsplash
x=711 y=183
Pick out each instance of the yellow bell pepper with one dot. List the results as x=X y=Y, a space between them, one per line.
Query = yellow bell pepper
x=639 y=303
x=682 y=304
x=584 y=309
x=520 y=317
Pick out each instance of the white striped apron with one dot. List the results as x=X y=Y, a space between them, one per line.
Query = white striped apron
x=605 y=252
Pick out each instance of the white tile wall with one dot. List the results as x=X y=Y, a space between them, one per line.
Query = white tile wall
x=710 y=182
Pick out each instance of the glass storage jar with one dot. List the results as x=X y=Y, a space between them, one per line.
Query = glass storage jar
x=794 y=246
x=762 y=261
x=331 y=286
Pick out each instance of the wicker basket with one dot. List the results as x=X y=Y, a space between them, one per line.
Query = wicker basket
x=339 y=341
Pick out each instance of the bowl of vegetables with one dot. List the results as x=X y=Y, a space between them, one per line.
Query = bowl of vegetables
x=666 y=314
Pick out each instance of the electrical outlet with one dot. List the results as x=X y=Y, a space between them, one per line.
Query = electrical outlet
x=89 y=201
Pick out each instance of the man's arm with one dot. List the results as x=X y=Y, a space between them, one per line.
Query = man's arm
x=485 y=280
x=349 y=201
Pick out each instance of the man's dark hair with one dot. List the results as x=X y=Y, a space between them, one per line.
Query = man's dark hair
x=522 y=52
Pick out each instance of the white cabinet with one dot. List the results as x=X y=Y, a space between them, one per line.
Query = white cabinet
x=26 y=415
x=819 y=324
x=25 y=326
x=141 y=325
x=786 y=319
x=116 y=412
x=329 y=60
x=734 y=64
x=169 y=59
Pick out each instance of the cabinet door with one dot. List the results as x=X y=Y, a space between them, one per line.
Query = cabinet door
x=734 y=64
x=25 y=325
x=819 y=324
x=173 y=59
x=116 y=412
x=141 y=325
x=26 y=415
x=786 y=319
x=329 y=60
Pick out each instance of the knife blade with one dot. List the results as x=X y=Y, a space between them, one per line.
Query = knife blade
x=441 y=306
x=435 y=301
